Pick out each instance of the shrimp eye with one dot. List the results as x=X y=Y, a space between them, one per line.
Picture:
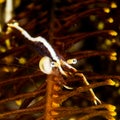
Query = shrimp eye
x=72 y=61
x=54 y=64
x=45 y=65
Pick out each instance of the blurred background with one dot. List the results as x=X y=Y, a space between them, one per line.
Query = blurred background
x=85 y=30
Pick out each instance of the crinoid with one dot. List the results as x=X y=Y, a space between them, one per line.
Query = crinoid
x=64 y=72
